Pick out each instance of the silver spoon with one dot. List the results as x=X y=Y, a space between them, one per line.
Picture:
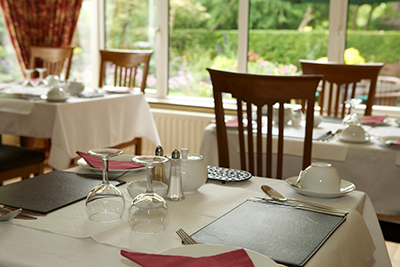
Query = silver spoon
x=277 y=196
x=10 y=215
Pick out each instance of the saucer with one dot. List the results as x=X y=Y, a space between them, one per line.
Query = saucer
x=389 y=141
x=346 y=187
x=366 y=140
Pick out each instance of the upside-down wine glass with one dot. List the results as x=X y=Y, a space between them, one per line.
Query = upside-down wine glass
x=105 y=202
x=41 y=80
x=28 y=81
x=149 y=212
x=353 y=117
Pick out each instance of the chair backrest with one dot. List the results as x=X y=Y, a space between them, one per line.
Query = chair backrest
x=127 y=63
x=256 y=92
x=344 y=77
x=55 y=59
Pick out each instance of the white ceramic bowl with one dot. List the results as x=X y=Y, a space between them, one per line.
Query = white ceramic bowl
x=354 y=133
x=137 y=187
x=320 y=177
x=317 y=120
x=75 y=88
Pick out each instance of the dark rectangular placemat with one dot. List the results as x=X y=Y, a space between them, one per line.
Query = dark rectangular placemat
x=288 y=236
x=48 y=192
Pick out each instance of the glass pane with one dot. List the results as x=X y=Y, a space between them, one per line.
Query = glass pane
x=203 y=34
x=282 y=32
x=373 y=36
x=130 y=24
x=9 y=66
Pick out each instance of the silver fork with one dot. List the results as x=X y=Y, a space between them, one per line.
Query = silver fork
x=186 y=238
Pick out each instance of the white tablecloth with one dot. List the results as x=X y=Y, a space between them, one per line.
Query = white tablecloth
x=80 y=123
x=373 y=167
x=61 y=238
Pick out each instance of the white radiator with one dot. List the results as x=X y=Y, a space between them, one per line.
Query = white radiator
x=178 y=129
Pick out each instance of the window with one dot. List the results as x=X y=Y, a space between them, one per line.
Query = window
x=247 y=35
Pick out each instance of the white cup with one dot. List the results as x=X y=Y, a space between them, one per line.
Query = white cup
x=286 y=117
x=75 y=88
x=57 y=94
x=320 y=177
x=354 y=133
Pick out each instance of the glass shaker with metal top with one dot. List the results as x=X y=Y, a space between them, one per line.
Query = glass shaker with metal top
x=175 y=188
x=159 y=169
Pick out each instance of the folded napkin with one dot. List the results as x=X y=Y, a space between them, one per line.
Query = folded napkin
x=234 y=123
x=233 y=258
x=97 y=162
x=377 y=119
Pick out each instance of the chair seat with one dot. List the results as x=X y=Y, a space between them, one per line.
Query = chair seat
x=12 y=157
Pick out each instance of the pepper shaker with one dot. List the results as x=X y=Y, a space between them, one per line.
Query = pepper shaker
x=159 y=169
x=175 y=188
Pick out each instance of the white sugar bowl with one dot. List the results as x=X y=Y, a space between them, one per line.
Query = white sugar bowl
x=194 y=171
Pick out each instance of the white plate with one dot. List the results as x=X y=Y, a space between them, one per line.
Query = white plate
x=346 y=187
x=117 y=90
x=389 y=141
x=200 y=250
x=82 y=162
x=366 y=140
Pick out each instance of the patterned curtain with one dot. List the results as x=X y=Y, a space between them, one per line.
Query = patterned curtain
x=39 y=22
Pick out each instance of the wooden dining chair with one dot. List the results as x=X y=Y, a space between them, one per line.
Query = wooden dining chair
x=55 y=59
x=342 y=79
x=18 y=161
x=252 y=93
x=126 y=65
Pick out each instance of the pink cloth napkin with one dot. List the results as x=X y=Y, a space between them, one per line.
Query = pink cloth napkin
x=397 y=143
x=234 y=123
x=377 y=119
x=97 y=162
x=235 y=258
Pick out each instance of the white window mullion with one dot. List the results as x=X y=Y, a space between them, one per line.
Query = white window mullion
x=337 y=30
x=243 y=34
x=97 y=38
x=162 y=45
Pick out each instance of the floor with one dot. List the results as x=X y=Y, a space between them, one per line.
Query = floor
x=393 y=248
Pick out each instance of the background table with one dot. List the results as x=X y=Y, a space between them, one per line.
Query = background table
x=80 y=123
x=67 y=238
x=373 y=167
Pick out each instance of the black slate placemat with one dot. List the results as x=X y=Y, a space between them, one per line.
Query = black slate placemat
x=48 y=192
x=286 y=235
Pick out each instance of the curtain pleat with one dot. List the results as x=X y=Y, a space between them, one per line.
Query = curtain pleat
x=39 y=22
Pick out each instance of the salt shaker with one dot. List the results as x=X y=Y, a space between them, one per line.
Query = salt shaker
x=159 y=168
x=175 y=189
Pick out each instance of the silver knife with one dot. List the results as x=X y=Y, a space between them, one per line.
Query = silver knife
x=297 y=206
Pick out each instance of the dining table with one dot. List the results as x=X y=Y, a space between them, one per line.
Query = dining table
x=373 y=165
x=66 y=237
x=92 y=119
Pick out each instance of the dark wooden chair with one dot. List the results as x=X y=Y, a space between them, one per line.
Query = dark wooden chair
x=257 y=91
x=126 y=64
x=344 y=77
x=55 y=59
x=19 y=162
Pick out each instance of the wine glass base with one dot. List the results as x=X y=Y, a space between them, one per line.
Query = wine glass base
x=148 y=227
x=105 y=217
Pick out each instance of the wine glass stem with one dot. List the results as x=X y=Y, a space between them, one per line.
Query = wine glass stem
x=150 y=179
x=105 y=171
